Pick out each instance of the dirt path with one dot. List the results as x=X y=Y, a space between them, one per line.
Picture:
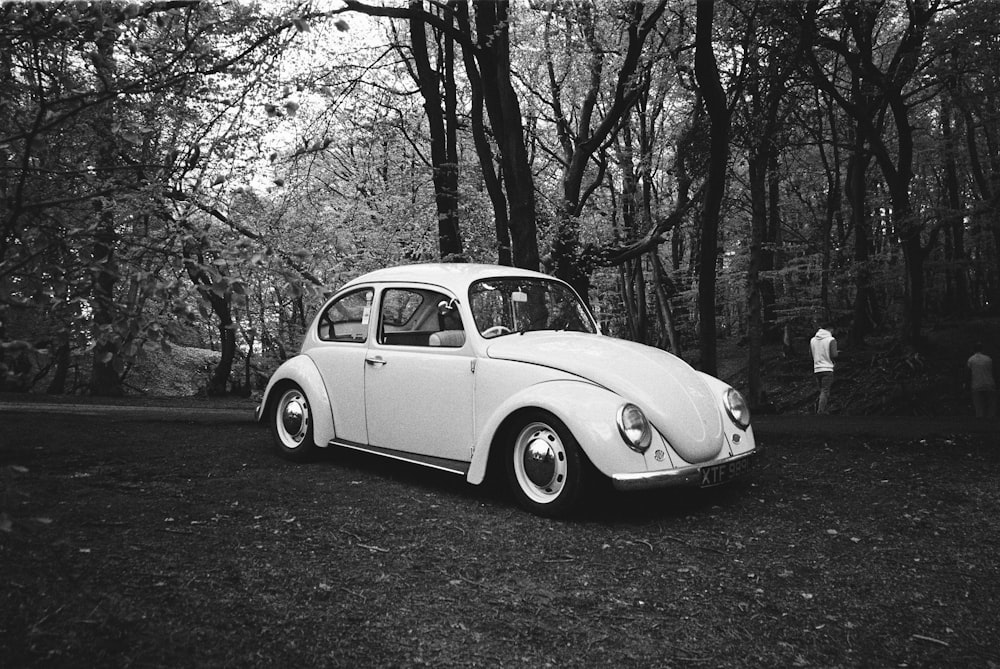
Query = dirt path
x=190 y=408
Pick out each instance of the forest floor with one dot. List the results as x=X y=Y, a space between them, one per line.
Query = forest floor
x=181 y=539
x=167 y=533
x=882 y=378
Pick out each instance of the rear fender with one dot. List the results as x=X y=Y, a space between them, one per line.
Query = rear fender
x=588 y=411
x=302 y=371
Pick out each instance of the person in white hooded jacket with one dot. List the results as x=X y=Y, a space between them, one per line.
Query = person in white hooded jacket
x=824 y=351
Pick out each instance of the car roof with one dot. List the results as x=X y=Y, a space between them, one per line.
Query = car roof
x=454 y=276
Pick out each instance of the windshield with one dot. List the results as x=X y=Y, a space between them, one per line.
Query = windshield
x=502 y=306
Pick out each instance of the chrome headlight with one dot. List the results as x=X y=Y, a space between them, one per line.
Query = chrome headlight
x=737 y=407
x=634 y=428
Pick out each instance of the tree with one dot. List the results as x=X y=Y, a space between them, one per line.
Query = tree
x=967 y=60
x=889 y=80
x=97 y=95
x=581 y=145
x=437 y=87
x=717 y=106
x=486 y=56
x=769 y=63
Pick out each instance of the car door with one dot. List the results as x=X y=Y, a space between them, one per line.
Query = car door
x=343 y=331
x=419 y=376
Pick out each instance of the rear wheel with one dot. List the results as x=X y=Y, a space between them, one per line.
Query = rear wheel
x=545 y=466
x=291 y=425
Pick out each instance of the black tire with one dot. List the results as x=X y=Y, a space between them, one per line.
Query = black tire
x=291 y=424
x=546 y=469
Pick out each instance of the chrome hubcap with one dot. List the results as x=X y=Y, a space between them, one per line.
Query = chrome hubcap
x=540 y=463
x=293 y=418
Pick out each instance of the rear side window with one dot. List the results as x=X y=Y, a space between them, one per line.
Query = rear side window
x=346 y=319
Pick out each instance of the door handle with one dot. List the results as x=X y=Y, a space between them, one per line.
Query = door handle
x=375 y=360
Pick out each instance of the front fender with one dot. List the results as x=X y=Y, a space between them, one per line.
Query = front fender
x=302 y=371
x=587 y=410
x=740 y=440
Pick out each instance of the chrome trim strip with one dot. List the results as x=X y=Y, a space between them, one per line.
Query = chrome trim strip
x=669 y=478
x=441 y=464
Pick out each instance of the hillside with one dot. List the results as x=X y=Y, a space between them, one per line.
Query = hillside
x=883 y=378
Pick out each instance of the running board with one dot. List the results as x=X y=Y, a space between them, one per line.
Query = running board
x=442 y=464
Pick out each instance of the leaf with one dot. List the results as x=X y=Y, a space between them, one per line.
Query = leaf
x=342 y=25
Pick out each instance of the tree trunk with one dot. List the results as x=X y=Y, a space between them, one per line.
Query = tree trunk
x=908 y=228
x=957 y=293
x=213 y=287
x=863 y=320
x=663 y=300
x=441 y=120
x=104 y=379
x=58 y=384
x=707 y=75
x=758 y=233
x=218 y=385
x=504 y=110
x=484 y=151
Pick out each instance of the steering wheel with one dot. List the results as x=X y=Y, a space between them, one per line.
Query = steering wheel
x=496 y=331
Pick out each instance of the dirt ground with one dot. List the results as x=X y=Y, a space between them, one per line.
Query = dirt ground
x=161 y=540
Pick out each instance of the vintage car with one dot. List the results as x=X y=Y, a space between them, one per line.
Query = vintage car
x=487 y=370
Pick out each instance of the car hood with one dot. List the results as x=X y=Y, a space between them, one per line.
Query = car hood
x=674 y=397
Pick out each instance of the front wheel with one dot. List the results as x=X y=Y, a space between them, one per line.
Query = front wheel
x=291 y=425
x=545 y=466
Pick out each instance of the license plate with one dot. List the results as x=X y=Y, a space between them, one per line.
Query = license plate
x=713 y=475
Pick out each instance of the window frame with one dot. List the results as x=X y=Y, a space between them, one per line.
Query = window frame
x=364 y=322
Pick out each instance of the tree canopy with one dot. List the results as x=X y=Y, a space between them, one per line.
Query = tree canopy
x=201 y=173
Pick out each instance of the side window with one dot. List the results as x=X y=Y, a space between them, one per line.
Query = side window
x=399 y=307
x=347 y=318
x=417 y=317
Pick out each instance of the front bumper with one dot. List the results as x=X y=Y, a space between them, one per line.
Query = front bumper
x=717 y=472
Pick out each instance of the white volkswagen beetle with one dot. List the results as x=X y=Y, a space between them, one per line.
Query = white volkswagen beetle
x=481 y=369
